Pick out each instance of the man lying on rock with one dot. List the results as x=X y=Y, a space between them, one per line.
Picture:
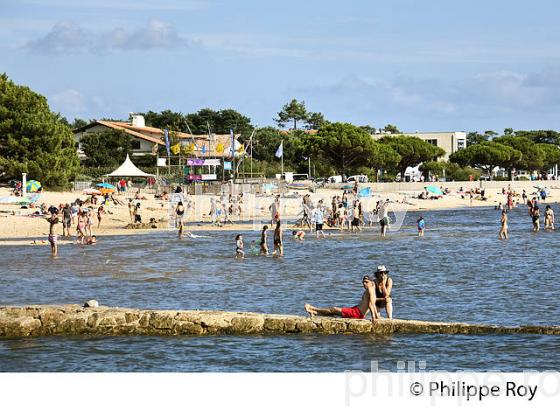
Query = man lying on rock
x=377 y=295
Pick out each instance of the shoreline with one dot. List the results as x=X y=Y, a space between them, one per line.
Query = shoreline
x=18 y=228
x=241 y=226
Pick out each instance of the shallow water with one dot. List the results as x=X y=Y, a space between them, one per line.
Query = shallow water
x=458 y=272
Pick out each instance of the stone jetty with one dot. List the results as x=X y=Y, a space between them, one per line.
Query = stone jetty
x=73 y=320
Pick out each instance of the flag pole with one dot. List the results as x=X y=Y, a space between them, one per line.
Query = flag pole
x=282 y=156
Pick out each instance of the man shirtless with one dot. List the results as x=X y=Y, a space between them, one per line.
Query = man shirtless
x=369 y=302
x=53 y=237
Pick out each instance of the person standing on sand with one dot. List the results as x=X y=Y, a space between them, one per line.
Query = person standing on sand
x=264 y=244
x=504 y=234
x=53 y=237
x=278 y=240
x=100 y=212
x=66 y=220
x=549 y=218
x=377 y=293
x=274 y=209
x=131 y=210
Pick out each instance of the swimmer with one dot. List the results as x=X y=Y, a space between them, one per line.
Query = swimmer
x=298 y=235
x=91 y=240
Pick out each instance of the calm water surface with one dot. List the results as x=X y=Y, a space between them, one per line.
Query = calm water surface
x=458 y=272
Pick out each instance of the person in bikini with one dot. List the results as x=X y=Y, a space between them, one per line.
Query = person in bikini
x=377 y=294
x=383 y=287
x=504 y=226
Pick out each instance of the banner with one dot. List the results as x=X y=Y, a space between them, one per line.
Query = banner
x=198 y=162
x=167 y=147
x=232 y=146
x=227 y=166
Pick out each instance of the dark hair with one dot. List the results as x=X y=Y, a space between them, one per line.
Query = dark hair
x=265 y=227
x=238 y=236
x=294 y=232
x=366 y=277
x=180 y=203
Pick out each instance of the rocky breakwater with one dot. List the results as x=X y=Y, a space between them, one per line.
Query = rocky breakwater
x=72 y=320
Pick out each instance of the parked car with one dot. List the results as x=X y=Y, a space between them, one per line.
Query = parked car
x=335 y=179
x=360 y=178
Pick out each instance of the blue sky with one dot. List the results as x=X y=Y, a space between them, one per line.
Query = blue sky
x=422 y=65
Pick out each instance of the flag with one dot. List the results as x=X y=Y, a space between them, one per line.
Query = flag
x=232 y=147
x=167 y=147
x=203 y=149
x=280 y=150
x=175 y=149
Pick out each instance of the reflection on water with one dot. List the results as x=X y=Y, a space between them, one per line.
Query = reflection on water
x=458 y=272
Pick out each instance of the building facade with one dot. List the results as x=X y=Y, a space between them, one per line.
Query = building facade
x=449 y=141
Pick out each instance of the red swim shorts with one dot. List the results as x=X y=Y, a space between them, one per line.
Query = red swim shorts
x=352 y=313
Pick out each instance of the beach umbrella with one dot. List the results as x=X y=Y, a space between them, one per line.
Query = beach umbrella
x=434 y=190
x=32 y=185
x=365 y=192
x=106 y=185
x=92 y=191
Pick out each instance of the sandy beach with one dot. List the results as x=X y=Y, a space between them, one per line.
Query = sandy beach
x=19 y=226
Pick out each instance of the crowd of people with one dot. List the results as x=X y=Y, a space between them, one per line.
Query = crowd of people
x=513 y=199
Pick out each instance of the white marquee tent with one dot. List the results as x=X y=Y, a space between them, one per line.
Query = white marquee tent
x=128 y=169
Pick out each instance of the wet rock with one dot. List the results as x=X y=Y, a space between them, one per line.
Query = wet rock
x=91 y=304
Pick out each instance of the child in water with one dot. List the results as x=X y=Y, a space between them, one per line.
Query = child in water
x=421 y=225
x=298 y=235
x=239 y=252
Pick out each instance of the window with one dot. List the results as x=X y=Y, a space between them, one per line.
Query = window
x=433 y=142
x=135 y=144
x=461 y=144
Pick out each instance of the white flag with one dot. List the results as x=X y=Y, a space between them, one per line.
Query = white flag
x=280 y=150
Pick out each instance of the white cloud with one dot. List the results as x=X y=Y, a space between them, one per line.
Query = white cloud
x=68 y=102
x=69 y=37
x=65 y=36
